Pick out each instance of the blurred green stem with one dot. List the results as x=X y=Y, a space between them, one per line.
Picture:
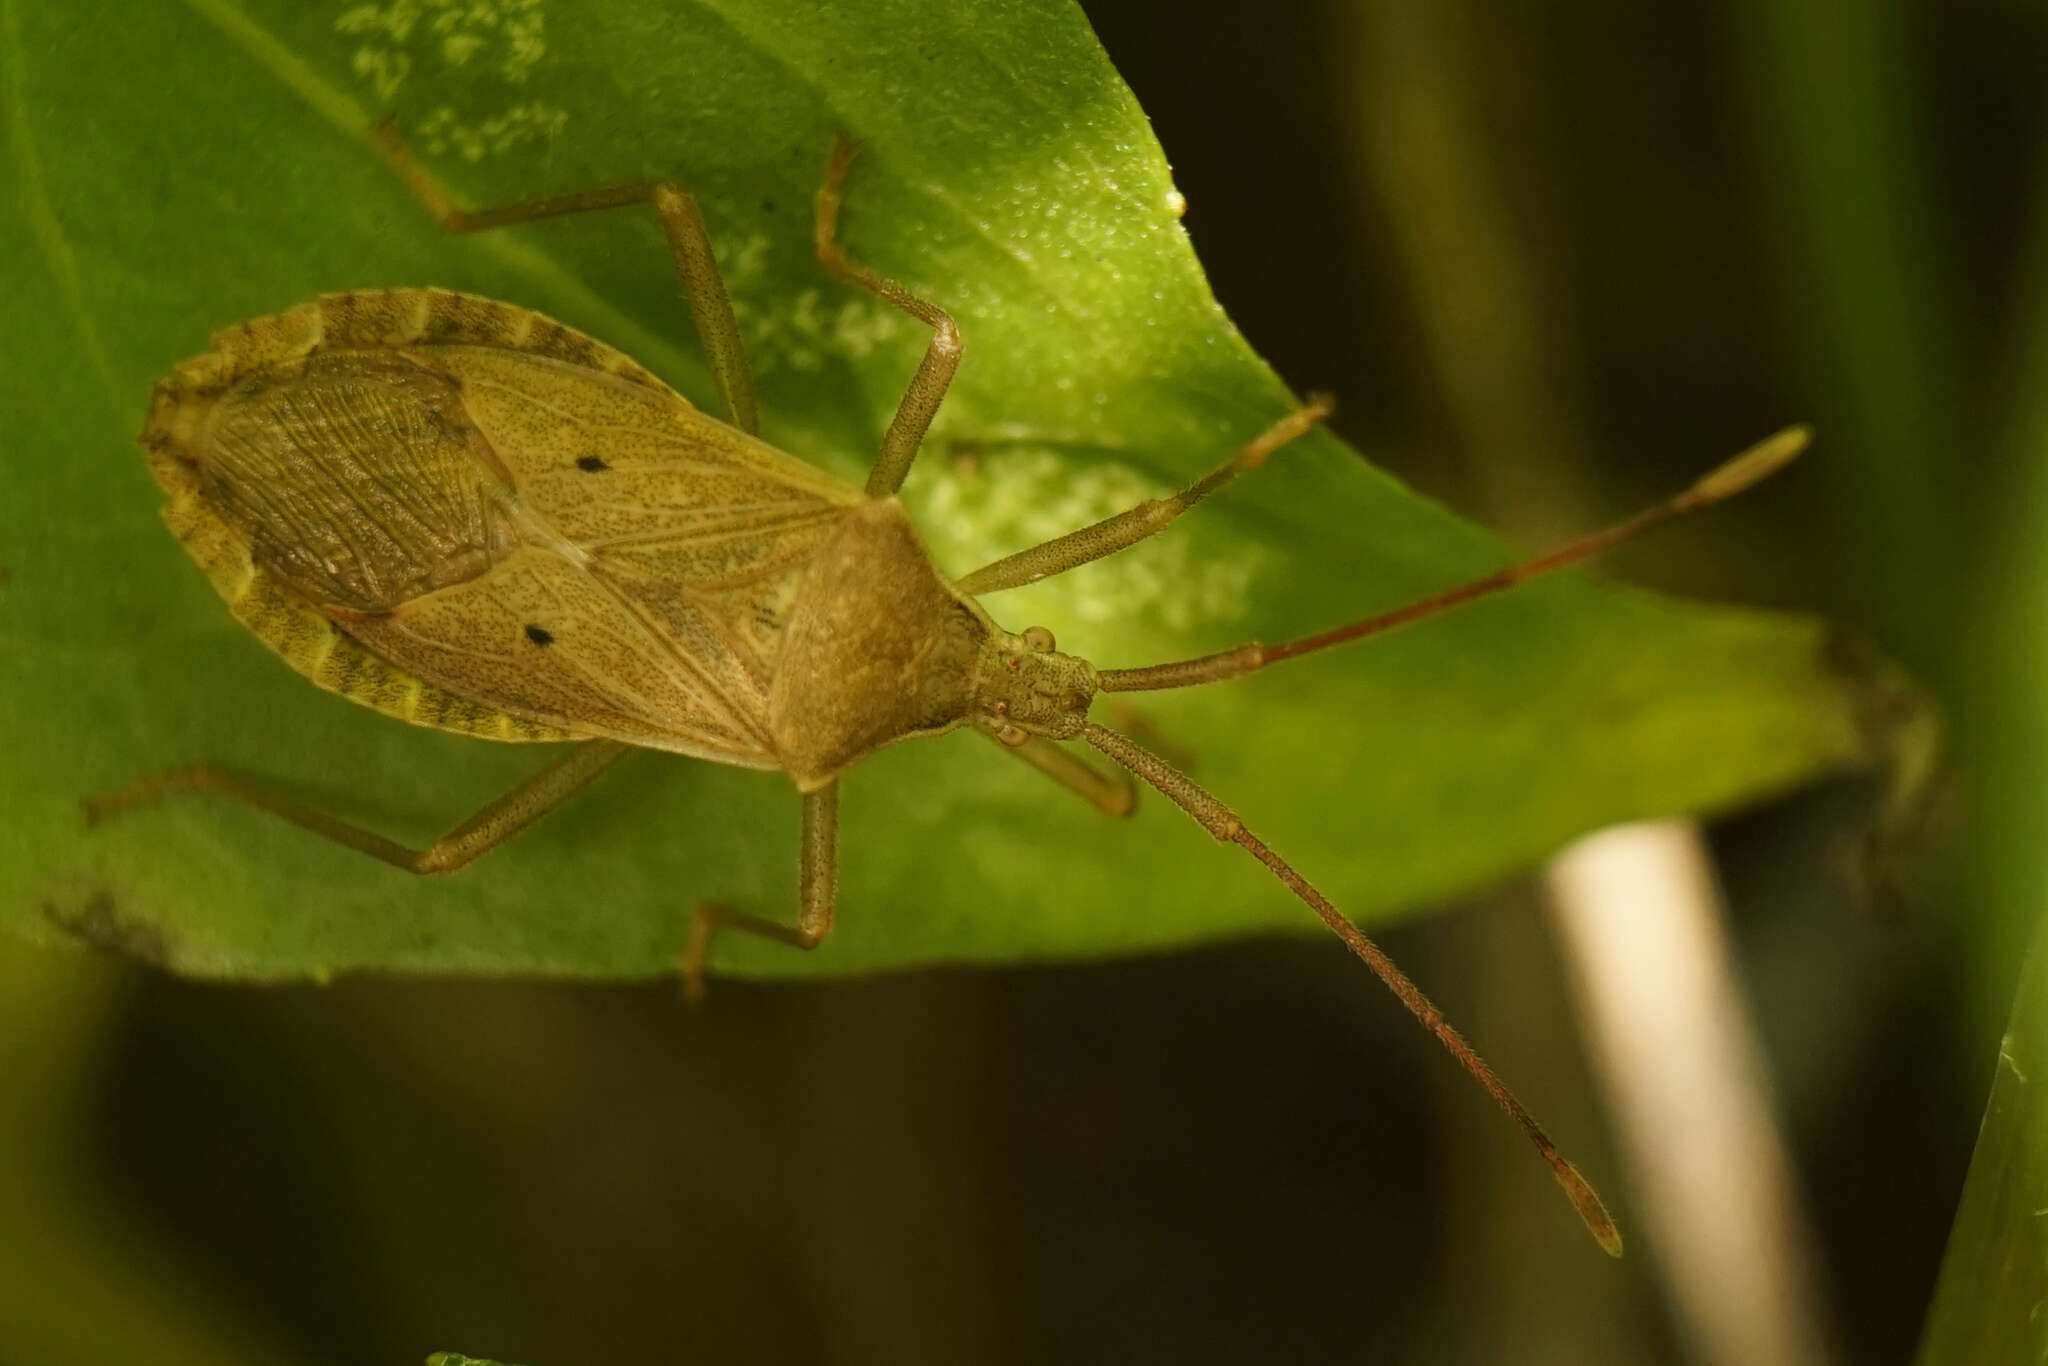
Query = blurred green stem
x=2003 y=725
x=1869 y=296
x=1993 y=1280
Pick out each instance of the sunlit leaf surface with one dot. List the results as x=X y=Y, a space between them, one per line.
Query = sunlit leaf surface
x=1006 y=172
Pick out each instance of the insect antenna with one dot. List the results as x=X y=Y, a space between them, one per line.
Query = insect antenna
x=1220 y=821
x=1753 y=465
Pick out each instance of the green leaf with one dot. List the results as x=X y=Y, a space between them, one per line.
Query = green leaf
x=457 y=1359
x=1006 y=172
x=1987 y=1305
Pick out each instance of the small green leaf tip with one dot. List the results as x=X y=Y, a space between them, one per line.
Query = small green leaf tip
x=1757 y=463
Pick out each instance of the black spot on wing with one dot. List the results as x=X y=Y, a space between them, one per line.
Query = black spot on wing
x=591 y=464
x=540 y=635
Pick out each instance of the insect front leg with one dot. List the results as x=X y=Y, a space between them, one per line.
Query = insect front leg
x=928 y=386
x=1113 y=795
x=1133 y=525
x=478 y=835
x=688 y=241
x=817 y=896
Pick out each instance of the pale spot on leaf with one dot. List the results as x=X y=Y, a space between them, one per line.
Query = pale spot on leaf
x=505 y=39
x=983 y=507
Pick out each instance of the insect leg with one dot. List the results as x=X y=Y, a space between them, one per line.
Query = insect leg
x=1115 y=795
x=817 y=895
x=941 y=358
x=688 y=241
x=484 y=831
x=1133 y=525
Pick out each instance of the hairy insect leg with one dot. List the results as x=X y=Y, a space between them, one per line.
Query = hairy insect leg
x=1133 y=525
x=1223 y=823
x=688 y=241
x=817 y=896
x=484 y=831
x=1114 y=794
x=941 y=358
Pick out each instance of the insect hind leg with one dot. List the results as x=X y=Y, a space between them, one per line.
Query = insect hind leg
x=688 y=239
x=478 y=835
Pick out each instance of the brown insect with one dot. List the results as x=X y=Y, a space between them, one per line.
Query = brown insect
x=468 y=516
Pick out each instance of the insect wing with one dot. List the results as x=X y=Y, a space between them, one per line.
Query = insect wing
x=691 y=530
x=500 y=508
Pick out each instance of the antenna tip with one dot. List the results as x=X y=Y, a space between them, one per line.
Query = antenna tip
x=1586 y=1201
x=1757 y=463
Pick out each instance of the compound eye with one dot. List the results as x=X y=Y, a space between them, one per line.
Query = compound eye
x=1038 y=640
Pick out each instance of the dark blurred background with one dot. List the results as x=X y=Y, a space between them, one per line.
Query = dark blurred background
x=1538 y=251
